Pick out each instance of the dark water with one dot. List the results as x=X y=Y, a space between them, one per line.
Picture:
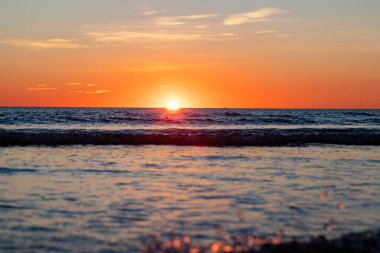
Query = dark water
x=203 y=127
x=111 y=118
x=220 y=175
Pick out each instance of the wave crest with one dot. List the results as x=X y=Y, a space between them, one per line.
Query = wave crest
x=191 y=137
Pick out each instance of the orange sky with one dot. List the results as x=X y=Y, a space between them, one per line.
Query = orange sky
x=145 y=53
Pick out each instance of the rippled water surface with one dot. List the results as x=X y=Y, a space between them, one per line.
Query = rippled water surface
x=93 y=198
x=192 y=127
x=139 y=118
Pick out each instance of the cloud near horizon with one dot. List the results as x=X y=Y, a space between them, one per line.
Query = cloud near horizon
x=161 y=67
x=259 y=15
x=96 y=92
x=40 y=87
x=89 y=92
x=43 y=44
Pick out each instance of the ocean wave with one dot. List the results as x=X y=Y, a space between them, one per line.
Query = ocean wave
x=129 y=116
x=191 y=137
x=14 y=170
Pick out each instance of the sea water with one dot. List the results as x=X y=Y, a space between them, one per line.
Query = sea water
x=68 y=196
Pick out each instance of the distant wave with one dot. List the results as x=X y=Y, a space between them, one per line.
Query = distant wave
x=191 y=137
x=197 y=117
x=14 y=170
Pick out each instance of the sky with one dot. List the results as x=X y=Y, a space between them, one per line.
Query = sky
x=201 y=53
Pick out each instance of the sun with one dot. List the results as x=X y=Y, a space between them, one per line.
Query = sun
x=173 y=106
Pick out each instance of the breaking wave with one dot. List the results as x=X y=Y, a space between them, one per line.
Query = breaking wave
x=191 y=137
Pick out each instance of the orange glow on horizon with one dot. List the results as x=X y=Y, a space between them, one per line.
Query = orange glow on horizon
x=200 y=58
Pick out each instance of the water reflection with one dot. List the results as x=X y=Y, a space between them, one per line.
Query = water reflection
x=113 y=197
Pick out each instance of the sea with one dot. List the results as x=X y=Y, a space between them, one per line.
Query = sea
x=111 y=179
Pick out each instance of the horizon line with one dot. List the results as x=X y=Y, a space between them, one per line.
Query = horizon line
x=185 y=108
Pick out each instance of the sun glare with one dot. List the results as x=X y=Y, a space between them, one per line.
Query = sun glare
x=173 y=106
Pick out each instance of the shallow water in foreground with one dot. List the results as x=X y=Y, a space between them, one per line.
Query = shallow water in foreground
x=93 y=198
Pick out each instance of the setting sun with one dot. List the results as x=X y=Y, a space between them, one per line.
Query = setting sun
x=173 y=106
x=190 y=126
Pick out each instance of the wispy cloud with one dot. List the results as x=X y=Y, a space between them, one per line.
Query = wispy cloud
x=272 y=34
x=202 y=26
x=266 y=32
x=259 y=15
x=162 y=67
x=42 y=88
x=96 y=92
x=78 y=84
x=84 y=89
x=39 y=87
x=44 y=44
x=89 y=92
x=227 y=34
x=283 y=35
x=133 y=36
x=181 y=20
x=149 y=13
x=115 y=36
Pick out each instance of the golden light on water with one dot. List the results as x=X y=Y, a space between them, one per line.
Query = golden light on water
x=173 y=106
